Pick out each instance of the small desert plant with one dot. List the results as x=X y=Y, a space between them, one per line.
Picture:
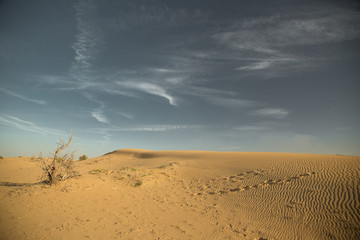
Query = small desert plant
x=1 y=157
x=58 y=168
x=138 y=183
x=98 y=171
x=83 y=157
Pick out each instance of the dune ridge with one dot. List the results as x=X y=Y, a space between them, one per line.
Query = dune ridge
x=142 y=194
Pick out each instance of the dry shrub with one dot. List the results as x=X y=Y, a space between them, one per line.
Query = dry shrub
x=83 y=157
x=58 y=167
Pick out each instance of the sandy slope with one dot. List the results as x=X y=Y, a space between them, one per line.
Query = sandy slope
x=185 y=195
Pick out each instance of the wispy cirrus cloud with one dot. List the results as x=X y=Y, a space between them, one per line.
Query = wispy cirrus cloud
x=231 y=102
x=19 y=123
x=126 y=115
x=131 y=16
x=108 y=132
x=268 y=35
x=251 y=128
x=17 y=95
x=149 y=88
x=151 y=128
x=221 y=98
x=276 y=40
x=256 y=66
x=278 y=113
x=62 y=83
x=88 y=40
x=257 y=45
x=163 y=70
x=97 y=113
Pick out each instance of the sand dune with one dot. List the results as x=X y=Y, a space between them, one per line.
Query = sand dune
x=140 y=194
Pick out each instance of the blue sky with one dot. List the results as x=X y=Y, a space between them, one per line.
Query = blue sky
x=274 y=76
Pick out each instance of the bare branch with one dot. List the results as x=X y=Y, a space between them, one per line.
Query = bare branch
x=58 y=168
x=62 y=144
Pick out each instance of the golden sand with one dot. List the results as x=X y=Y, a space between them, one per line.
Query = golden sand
x=139 y=194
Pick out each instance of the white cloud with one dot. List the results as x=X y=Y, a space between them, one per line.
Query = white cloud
x=267 y=34
x=52 y=79
x=251 y=128
x=112 y=90
x=126 y=115
x=152 y=128
x=231 y=102
x=272 y=112
x=16 y=119
x=132 y=16
x=41 y=102
x=61 y=83
x=220 y=98
x=276 y=40
x=149 y=88
x=316 y=31
x=87 y=40
x=27 y=126
x=98 y=114
x=163 y=70
x=174 y=80
x=256 y=66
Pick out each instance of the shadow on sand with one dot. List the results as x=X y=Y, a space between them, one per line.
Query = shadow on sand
x=12 y=184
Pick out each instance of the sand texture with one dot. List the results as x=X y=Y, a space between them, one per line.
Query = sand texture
x=139 y=194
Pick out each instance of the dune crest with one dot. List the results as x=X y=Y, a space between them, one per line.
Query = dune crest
x=143 y=194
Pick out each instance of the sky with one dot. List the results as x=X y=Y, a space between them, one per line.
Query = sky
x=250 y=75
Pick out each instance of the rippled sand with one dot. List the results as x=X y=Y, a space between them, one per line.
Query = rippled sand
x=139 y=194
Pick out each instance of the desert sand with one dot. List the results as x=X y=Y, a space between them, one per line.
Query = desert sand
x=140 y=194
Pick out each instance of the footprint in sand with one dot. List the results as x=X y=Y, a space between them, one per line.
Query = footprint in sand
x=248 y=187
